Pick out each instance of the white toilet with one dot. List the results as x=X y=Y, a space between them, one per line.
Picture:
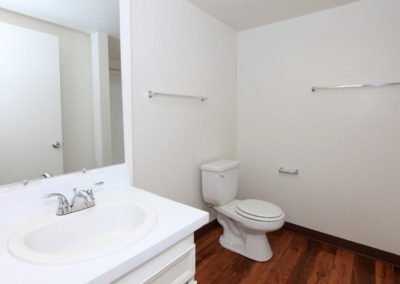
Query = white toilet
x=245 y=222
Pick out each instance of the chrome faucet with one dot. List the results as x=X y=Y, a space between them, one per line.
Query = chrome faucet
x=63 y=207
x=81 y=200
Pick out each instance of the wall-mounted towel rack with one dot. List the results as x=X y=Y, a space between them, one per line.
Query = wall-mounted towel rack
x=154 y=94
x=373 y=85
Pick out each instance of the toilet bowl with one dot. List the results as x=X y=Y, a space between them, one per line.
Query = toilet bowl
x=245 y=222
x=245 y=232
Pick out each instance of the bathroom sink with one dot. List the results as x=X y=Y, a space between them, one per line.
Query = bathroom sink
x=103 y=229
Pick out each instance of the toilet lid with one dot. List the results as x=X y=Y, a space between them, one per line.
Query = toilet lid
x=258 y=209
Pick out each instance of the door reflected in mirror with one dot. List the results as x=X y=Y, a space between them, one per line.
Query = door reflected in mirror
x=60 y=88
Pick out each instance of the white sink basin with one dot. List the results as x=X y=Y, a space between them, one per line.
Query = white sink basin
x=103 y=229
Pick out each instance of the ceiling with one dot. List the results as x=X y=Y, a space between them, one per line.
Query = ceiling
x=83 y=15
x=246 y=14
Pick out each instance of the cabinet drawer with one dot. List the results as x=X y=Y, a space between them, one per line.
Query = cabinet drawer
x=178 y=272
x=176 y=265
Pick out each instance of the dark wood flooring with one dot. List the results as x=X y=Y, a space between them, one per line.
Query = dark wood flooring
x=296 y=259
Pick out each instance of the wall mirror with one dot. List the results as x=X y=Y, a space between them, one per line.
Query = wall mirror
x=60 y=87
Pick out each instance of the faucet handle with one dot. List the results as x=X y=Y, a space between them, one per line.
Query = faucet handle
x=90 y=192
x=63 y=204
x=60 y=196
x=92 y=187
x=99 y=183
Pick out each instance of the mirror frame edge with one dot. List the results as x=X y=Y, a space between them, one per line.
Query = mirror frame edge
x=125 y=28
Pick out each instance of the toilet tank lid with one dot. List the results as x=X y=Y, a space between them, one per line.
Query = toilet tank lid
x=220 y=166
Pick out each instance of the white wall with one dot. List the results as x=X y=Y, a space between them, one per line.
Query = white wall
x=101 y=99
x=76 y=89
x=117 y=126
x=116 y=109
x=345 y=142
x=179 y=49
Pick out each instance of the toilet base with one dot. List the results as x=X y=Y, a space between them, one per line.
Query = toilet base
x=249 y=243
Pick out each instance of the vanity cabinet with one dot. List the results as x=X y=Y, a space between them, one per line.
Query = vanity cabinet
x=177 y=265
x=164 y=255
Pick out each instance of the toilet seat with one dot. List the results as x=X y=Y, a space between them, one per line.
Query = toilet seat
x=258 y=210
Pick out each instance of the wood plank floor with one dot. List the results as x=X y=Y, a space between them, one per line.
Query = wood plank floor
x=296 y=259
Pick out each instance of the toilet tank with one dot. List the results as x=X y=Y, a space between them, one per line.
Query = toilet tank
x=219 y=181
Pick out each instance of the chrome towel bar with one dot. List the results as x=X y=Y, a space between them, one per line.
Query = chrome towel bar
x=373 y=85
x=154 y=94
x=283 y=171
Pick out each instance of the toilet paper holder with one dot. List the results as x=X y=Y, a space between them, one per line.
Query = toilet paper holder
x=296 y=172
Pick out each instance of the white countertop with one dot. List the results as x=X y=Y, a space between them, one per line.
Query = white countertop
x=175 y=221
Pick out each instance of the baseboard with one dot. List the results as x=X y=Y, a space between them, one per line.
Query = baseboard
x=361 y=249
x=205 y=229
